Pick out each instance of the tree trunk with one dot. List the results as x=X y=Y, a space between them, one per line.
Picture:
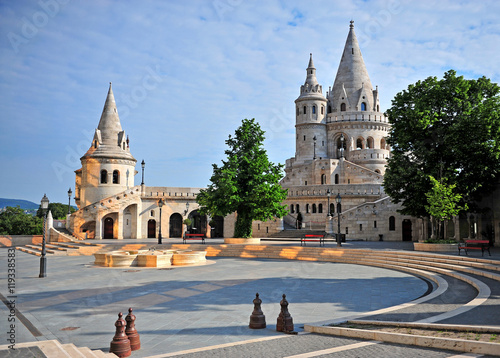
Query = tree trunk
x=243 y=226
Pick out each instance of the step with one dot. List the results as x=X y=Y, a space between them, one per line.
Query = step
x=73 y=350
x=29 y=251
x=48 y=251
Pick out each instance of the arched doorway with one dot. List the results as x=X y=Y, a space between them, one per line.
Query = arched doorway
x=151 y=228
x=108 y=228
x=407 y=230
x=198 y=223
x=175 y=226
x=218 y=228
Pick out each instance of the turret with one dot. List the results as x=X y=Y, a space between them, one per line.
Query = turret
x=310 y=109
x=108 y=167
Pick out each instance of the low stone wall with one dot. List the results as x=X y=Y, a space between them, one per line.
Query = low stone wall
x=19 y=240
x=422 y=246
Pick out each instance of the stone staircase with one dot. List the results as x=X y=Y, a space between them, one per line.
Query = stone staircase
x=72 y=248
x=51 y=349
x=296 y=234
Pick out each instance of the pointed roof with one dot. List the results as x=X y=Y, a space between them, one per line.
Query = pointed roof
x=311 y=72
x=109 y=135
x=109 y=124
x=352 y=74
x=311 y=89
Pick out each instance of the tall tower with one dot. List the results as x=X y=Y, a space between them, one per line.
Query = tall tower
x=310 y=127
x=108 y=168
x=354 y=112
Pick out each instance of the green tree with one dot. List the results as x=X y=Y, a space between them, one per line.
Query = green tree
x=443 y=202
x=448 y=129
x=246 y=183
x=14 y=221
x=58 y=210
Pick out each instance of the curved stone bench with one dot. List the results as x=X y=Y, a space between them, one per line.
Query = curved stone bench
x=155 y=259
x=146 y=258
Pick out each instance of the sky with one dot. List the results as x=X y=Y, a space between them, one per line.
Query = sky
x=186 y=73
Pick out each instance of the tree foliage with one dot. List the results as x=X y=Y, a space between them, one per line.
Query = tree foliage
x=58 y=210
x=247 y=182
x=448 y=129
x=14 y=221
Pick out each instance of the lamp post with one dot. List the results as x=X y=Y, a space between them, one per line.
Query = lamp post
x=314 y=154
x=69 y=200
x=143 y=164
x=339 y=209
x=328 y=193
x=187 y=209
x=44 y=205
x=160 y=204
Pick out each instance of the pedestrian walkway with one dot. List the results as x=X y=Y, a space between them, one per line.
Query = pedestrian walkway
x=207 y=308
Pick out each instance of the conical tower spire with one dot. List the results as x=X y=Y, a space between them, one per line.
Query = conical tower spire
x=311 y=73
x=109 y=124
x=352 y=75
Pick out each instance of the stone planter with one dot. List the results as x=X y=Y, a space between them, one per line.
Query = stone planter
x=423 y=246
x=242 y=241
x=155 y=259
x=189 y=258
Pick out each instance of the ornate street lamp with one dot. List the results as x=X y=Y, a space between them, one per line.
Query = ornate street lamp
x=328 y=193
x=69 y=200
x=44 y=205
x=143 y=164
x=187 y=209
x=339 y=209
x=314 y=155
x=160 y=204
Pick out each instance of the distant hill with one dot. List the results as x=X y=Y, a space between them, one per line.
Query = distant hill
x=23 y=204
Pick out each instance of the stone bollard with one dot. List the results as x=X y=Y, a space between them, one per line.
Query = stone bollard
x=285 y=321
x=120 y=345
x=257 y=318
x=131 y=332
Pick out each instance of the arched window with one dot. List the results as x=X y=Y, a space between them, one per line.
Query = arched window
x=152 y=213
x=392 y=223
x=363 y=106
x=322 y=110
x=369 y=142
x=314 y=109
x=336 y=178
x=314 y=208
x=382 y=143
x=329 y=109
x=304 y=109
x=332 y=208
x=297 y=207
x=104 y=176
x=95 y=144
x=116 y=177
x=359 y=143
x=378 y=108
x=323 y=179
x=291 y=209
x=320 y=208
x=307 y=208
x=342 y=107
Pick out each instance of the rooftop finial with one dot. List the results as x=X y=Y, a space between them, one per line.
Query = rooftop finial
x=351 y=26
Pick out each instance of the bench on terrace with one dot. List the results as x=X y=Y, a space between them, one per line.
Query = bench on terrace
x=311 y=237
x=474 y=245
x=194 y=237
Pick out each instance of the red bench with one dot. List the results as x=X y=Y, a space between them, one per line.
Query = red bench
x=474 y=245
x=310 y=237
x=194 y=237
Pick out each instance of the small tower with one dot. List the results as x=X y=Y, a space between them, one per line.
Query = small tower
x=310 y=106
x=108 y=167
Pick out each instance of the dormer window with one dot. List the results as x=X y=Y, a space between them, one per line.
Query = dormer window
x=363 y=106
x=314 y=109
x=304 y=109
x=342 y=107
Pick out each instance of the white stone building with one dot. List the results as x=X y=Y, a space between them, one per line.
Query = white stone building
x=341 y=150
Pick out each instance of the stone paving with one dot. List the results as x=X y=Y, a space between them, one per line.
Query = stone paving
x=183 y=308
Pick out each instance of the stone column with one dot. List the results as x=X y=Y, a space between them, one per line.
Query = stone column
x=98 y=226
x=119 y=225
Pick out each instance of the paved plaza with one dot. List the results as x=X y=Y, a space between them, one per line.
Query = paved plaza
x=181 y=309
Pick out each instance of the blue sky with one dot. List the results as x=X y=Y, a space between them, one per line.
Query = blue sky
x=185 y=73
